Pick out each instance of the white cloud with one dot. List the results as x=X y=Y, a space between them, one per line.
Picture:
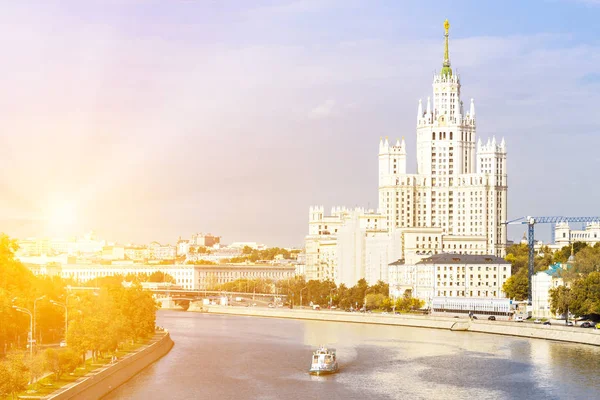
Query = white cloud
x=323 y=110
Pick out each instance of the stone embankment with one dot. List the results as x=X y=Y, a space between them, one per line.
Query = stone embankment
x=107 y=379
x=560 y=333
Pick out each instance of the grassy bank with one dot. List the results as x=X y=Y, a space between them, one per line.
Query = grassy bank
x=49 y=384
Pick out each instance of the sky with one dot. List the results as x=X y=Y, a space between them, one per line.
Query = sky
x=151 y=120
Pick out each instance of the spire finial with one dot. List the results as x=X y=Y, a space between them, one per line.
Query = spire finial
x=446 y=70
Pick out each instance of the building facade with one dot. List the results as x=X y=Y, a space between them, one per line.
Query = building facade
x=456 y=202
x=211 y=275
x=450 y=276
x=565 y=236
x=541 y=283
x=186 y=276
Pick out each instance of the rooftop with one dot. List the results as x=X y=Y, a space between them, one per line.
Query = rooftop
x=448 y=258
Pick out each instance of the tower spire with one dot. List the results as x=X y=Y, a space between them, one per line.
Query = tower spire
x=446 y=70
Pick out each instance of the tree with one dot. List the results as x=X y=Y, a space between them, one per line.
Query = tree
x=160 y=276
x=13 y=375
x=60 y=362
x=36 y=366
x=380 y=288
x=587 y=260
x=408 y=303
x=585 y=295
x=517 y=255
x=560 y=300
x=517 y=286
x=374 y=300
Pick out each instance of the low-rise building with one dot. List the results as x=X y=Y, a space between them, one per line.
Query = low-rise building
x=157 y=251
x=136 y=253
x=184 y=275
x=449 y=275
x=541 y=283
x=211 y=275
x=565 y=236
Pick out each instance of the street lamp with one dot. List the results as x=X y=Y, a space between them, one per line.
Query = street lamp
x=56 y=303
x=34 y=313
x=26 y=311
x=305 y=287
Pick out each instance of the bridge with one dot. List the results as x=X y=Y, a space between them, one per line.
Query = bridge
x=201 y=294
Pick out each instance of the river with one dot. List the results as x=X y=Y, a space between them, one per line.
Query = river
x=236 y=357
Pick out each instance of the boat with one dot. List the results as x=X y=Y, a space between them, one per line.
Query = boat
x=324 y=361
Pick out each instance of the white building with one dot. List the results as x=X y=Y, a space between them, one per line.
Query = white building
x=157 y=251
x=565 y=236
x=185 y=276
x=455 y=202
x=450 y=275
x=542 y=282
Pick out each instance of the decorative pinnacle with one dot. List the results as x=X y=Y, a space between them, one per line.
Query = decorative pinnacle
x=446 y=52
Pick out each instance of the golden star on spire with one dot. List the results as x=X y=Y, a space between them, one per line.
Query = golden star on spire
x=446 y=26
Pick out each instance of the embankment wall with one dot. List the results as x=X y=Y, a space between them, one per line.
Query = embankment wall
x=111 y=377
x=560 y=333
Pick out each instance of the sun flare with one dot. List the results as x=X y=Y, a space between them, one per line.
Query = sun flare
x=62 y=215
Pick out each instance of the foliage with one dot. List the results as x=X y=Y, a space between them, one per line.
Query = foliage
x=374 y=300
x=518 y=256
x=61 y=361
x=99 y=321
x=408 y=303
x=13 y=374
x=587 y=260
x=562 y=255
x=201 y=262
x=517 y=286
x=582 y=298
x=560 y=300
x=253 y=255
x=36 y=366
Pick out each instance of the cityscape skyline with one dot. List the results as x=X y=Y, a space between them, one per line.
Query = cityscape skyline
x=235 y=121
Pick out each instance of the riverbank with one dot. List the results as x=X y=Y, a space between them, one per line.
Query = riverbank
x=105 y=379
x=559 y=333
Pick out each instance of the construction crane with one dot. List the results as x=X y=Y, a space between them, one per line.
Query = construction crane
x=531 y=222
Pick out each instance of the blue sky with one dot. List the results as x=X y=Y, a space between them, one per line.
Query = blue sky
x=155 y=119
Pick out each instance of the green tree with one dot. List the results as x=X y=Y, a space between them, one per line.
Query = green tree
x=560 y=300
x=585 y=295
x=517 y=286
x=587 y=260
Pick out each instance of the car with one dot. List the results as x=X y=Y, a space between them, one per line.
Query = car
x=491 y=318
x=271 y=305
x=587 y=324
x=547 y=323
x=519 y=318
x=63 y=344
x=568 y=323
x=537 y=321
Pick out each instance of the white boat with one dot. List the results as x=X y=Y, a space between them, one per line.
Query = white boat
x=324 y=361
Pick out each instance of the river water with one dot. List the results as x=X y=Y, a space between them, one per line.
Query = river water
x=236 y=357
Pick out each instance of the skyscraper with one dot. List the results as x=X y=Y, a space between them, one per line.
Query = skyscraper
x=456 y=202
